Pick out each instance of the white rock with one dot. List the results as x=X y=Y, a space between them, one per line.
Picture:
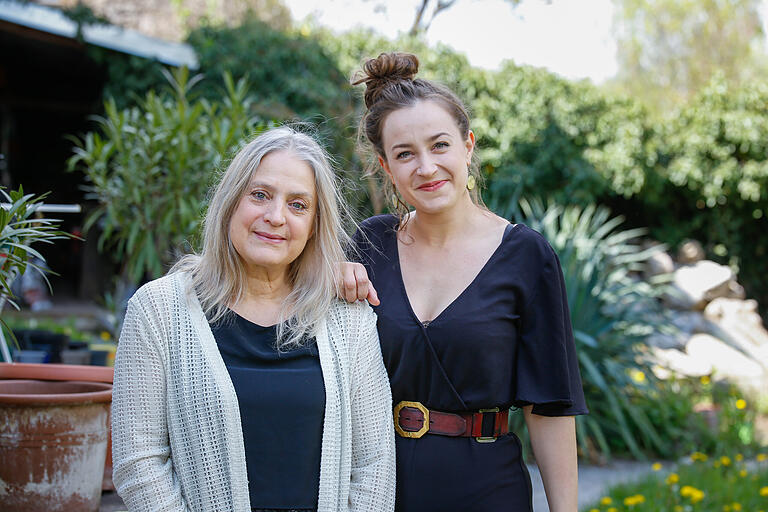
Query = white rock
x=727 y=361
x=738 y=323
x=696 y=284
x=680 y=363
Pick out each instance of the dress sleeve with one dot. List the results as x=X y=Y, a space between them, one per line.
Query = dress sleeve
x=547 y=368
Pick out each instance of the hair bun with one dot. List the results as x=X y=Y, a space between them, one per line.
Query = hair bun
x=385 y=69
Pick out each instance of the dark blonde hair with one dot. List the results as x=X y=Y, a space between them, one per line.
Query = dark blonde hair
x=389 y=86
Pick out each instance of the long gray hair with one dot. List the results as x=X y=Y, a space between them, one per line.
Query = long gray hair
x=218 y=272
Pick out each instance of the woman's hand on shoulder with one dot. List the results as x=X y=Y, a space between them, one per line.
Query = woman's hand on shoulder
x=355 y=284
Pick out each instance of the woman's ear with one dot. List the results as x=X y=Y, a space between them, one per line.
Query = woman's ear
x=470 y=145
x=384 y=165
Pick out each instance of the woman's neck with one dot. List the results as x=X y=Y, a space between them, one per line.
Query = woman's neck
x=264 y=297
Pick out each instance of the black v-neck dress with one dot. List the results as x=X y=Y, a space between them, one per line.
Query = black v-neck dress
x=505 y=341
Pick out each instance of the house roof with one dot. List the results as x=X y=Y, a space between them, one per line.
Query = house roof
x=124 y=40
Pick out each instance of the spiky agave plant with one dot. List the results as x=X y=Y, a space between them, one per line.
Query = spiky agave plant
x=19 y=230
x=612 y=312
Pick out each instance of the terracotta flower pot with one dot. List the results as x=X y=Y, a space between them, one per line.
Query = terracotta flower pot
x=54 y=436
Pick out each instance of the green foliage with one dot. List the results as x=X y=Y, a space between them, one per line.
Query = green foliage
x=19 y=230
x=150 y=167
x=293 y=77
x=725 y=484
x=700 y=415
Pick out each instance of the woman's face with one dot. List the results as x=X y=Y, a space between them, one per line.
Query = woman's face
x=426 y=156
x=274 y=219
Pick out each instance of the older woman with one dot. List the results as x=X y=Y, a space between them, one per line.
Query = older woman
x=241 y=383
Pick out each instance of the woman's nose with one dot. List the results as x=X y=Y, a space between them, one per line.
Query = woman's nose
x=427 y=167
x=275 y=214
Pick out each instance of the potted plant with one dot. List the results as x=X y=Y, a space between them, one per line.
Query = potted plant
x=54 y=419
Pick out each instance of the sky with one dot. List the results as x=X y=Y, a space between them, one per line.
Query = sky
x=572 y=38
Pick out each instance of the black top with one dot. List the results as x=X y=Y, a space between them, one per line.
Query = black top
x=505 y=341
x=282 y=407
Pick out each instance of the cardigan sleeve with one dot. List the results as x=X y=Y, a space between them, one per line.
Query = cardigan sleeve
x=143 y=468
x=372 y=484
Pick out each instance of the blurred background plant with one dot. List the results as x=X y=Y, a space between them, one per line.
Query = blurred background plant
x=21 y=226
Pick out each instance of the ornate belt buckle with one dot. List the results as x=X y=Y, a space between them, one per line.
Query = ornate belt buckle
x=491 y=439
x=415 y=405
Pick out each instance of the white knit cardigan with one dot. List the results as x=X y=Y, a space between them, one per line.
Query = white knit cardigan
x=176 y=433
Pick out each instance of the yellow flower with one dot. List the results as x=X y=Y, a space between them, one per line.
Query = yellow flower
x=605 y=500
x=678 y=508
x=698 y=456
x=739 y=457
x=736 y=507
x=764 y=491
x=761 y=457
x=638 y=376
x=705 y=379
x=105 y=336
x=725 y=460
x=694 y=494
x=612 y=509
x=631 y=501
x=697 y=496
x=741 y=403
x=743 y=473
x=672 y=479
x=594 y=510
x=656 y=466
x=726 y=508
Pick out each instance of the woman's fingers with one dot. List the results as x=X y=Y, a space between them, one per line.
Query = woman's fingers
x=355 y=284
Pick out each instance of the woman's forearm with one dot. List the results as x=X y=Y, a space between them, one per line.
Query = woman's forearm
x=554 y=444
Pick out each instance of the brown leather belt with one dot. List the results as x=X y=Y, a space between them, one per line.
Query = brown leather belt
x=412 y=419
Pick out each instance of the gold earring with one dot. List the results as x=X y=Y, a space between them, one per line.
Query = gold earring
x=395 y=201
x=471 y=182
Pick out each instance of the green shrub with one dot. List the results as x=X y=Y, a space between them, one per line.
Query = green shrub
x=150 y=167
x=293 y=77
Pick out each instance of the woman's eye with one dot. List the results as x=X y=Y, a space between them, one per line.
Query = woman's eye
x=258 y=194
x=403 y=154
x=440 y=145
x=298 y=206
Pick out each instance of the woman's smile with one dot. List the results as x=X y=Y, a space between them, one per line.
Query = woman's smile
x=269 y=237
x=432 y=185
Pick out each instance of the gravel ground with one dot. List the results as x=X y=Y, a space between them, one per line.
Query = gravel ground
x=593 y=481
